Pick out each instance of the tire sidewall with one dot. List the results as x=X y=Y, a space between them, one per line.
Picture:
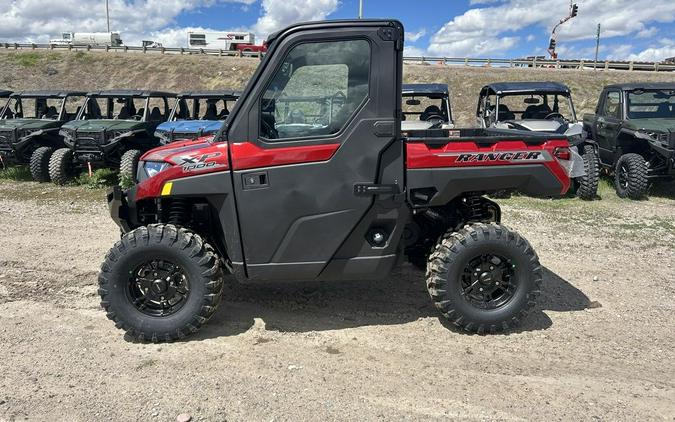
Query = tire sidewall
x=524 y=274
x=119 y=277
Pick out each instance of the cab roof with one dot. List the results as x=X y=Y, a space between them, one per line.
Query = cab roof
x=5 y=93
x=425 y=89
x=137 y=93
x=219 y=93
x=49 y=93
x=526 y=88
x=646 y=85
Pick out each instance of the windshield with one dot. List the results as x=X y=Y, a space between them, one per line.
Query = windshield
x=657 y=104
x=33 y=108
x=425 y=108
x=118 y=108
x=535 y=107
x=202 y=109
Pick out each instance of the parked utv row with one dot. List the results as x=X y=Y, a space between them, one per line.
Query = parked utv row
x=60 y=133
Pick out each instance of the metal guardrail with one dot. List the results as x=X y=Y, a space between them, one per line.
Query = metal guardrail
x=529 y=62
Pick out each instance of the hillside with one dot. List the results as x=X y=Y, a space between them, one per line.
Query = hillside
x=97 y=70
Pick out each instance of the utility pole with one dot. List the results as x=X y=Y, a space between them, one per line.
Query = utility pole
x=360 y=9
x=597 y=48
x=107 y=14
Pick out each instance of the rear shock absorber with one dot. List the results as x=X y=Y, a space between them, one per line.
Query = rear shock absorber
x=178 y=211
x=475 y=208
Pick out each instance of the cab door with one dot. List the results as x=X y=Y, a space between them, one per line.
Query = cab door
x=608 y=125
x=315 y=151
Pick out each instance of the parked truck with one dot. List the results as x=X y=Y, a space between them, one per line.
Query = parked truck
x=229 y=41
x=633 y=131
x=344 y=199
x=111 y=39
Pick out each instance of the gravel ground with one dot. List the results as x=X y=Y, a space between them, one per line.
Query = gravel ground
x=599 y=345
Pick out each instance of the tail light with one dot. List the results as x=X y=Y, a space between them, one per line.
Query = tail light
x=562 y=153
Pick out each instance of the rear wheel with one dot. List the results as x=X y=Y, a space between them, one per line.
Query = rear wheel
x=484 y=278
x=160 y=283
x=587 y=185
x=129 y=165
x=630 y=177
x=61 y=168
x=39 y=164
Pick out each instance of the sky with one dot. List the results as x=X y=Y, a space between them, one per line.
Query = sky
x=641 y=30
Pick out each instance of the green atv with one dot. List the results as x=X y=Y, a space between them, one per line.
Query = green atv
x=634 y=130
x=112 y=130
x=29 y=127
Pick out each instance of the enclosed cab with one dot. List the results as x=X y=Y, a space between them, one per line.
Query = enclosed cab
x=112 y=129
x=30 y=124
x=196 y=114
x=426 y=106
x=311 y=179
x=633 y=129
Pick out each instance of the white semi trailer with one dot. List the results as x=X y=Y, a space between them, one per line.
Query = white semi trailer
x=111 y=39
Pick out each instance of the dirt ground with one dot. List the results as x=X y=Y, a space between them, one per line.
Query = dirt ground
x=599 y=345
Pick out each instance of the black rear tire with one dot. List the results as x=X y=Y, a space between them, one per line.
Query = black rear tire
x=39 y=164
x=587 y=185
x=61 y=168
x=121 y=287
x=509 y=283
x=129 y=165
x=630 y=177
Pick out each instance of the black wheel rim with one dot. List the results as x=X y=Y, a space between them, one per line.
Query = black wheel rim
x=488 y=281
x=158 y=288
x=623 y=176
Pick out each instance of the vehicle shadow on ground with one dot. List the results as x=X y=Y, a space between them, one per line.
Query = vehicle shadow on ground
x=402 y=298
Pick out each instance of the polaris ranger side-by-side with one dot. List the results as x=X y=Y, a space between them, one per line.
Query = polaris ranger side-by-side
x=195 y=114
x=544 y=107
x=426 y=106
x=29 y=127
x=338 y=199
x=112 y=130
x=634 y=130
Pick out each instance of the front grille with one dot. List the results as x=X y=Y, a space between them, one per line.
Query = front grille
x=90 y=141
x=6 y=140
x=178 y=136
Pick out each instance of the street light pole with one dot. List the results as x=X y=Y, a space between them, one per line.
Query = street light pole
x=597 y=48
x=360 y=9
x=107 y=14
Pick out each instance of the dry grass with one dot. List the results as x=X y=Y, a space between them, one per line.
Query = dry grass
x=98 y=70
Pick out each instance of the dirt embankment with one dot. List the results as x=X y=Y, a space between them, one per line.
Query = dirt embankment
x=98 y=70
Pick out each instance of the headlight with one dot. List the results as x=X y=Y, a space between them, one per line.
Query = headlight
x=164 y=137
x=114 y=134
x=153 y=167
x=28 y=132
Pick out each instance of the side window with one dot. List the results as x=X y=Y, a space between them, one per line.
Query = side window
x=316 y=90
x=612 y=106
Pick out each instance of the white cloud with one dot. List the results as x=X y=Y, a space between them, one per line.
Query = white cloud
x=414 y=36
x=279 y=13
x=648 y=32
x=410 y=51
x=491 y=29
x=656 y=54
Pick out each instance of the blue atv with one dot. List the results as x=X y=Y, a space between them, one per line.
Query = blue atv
x=196 y=114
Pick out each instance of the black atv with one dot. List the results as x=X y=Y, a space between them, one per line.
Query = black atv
x=112 y=130
x=29 y=127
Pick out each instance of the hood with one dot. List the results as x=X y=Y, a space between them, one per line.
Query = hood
x=659 y=125
x=29 y=124
x=165 y=151
x=100 y=125
x=191 y=126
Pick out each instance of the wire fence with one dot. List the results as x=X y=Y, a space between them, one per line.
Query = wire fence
x=465 y=61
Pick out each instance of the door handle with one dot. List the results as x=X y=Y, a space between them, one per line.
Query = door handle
x=255 y=180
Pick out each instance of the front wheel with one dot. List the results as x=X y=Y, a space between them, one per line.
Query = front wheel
x=630 y=177
x=484 y=278
x=587 y=185
x=160 y=283
x=39 y=164
x=61 y=168
x=129 y=166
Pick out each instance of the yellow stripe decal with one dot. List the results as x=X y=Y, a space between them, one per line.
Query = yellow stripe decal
x=166 y=189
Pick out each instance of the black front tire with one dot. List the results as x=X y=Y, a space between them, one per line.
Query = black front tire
x=169 y=244
x=447 y=273
x=129 y=165
x=61 y=169
x=630 y=177
x=39 y=164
